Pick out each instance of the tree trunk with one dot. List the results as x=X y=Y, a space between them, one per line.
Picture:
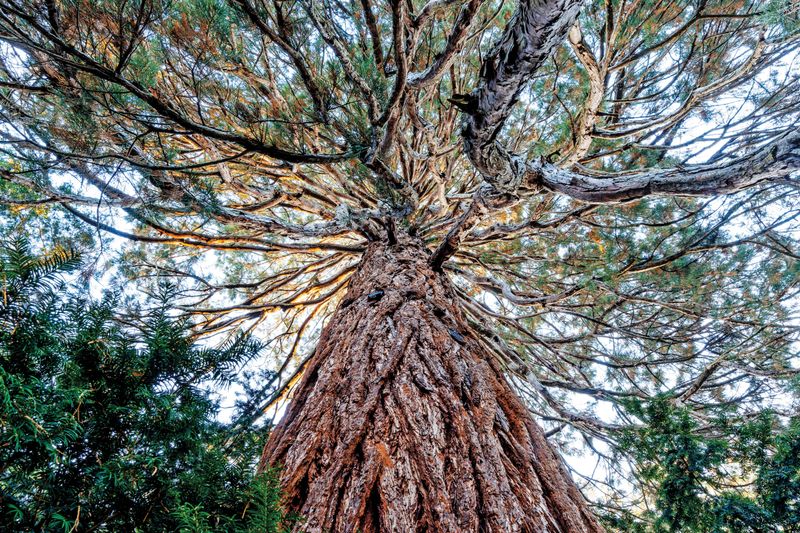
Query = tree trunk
x=402 y=424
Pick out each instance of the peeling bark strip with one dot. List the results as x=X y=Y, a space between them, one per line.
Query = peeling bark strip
x=401 y=424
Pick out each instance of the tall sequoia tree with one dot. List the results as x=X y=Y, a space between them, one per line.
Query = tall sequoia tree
x=458 y=221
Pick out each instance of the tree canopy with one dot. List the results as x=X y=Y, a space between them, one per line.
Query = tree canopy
x=610 y=184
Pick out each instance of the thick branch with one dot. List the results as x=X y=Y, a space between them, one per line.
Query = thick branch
x=455 y=41
x=775 y=161
x=597 y=86
x=534 y=32
x=485 y=200
x=536 y=29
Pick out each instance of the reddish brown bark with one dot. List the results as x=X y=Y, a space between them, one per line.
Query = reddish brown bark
x=401 y=424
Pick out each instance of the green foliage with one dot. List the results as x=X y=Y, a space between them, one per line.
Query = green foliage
x=744 y=477
x=108 y=428
x=783 y=13
x=264 y=513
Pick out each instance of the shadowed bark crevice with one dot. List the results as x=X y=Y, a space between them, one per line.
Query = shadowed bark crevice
x=406 y=419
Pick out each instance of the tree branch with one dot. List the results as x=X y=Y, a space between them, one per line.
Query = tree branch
x=537 y=28
x=777 y=160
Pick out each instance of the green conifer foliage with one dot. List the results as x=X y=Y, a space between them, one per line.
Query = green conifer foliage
x=105 y=428
x=722 y=478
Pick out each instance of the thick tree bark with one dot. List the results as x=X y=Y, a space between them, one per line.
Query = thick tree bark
x=403 y=423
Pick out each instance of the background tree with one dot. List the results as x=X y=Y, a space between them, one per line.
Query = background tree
x=108 y=429
x=592 y=203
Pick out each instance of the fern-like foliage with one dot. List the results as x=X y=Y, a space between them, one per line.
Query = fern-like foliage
x=264 y=510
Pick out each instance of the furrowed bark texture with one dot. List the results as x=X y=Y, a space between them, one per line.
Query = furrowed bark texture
x=401 y=423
